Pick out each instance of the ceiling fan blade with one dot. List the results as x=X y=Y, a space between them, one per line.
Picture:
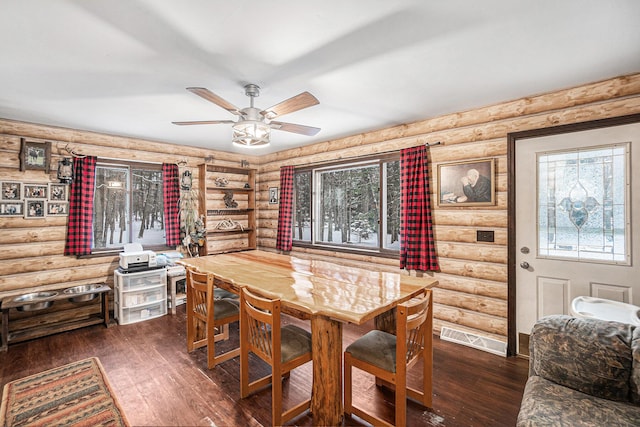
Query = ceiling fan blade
x=298 y=102
x=204 y=122
x=291 y=127
x=212 y=97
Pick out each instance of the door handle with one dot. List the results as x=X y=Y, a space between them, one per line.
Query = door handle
x=525 y=265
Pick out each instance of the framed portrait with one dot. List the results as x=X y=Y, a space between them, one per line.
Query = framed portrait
x=273 y=195
x=35 y=155
x=36 y=191
x=34 y=209
x=57 y=208
x=468 y=183
x=58 y=192
x=12 y=208
x=11 y=191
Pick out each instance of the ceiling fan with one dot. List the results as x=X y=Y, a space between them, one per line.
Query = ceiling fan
x=253 y=127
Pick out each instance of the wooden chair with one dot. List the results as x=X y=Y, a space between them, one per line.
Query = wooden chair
x=205 y=315
x=283 y=348
x=389 y=357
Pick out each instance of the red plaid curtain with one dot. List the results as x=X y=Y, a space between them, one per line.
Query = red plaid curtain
x=417 y=249
x=171 y=199
x=80 y=228
x=284 y=241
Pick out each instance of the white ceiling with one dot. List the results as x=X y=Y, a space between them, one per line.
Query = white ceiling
x=121 y=66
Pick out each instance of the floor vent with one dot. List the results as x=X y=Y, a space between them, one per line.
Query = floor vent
x=475 y=341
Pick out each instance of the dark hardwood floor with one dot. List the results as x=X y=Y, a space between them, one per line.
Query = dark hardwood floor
x=159 y=383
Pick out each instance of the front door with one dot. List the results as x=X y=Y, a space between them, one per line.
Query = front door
x=575 y=212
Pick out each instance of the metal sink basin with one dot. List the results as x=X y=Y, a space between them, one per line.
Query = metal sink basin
x=82 y=293
x=35 y=301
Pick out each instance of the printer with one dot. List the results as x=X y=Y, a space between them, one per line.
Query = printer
x=134 y=258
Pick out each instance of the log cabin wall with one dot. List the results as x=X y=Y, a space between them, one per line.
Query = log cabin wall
x=472 y=291
x=472 y=294
x=31 y=250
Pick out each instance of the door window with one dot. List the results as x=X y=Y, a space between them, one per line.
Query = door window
x=583 y=211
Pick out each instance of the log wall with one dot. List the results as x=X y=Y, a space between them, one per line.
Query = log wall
x=31 y=250
x=472 y=294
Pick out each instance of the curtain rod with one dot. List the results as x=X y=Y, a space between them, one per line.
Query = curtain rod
x=340 y=160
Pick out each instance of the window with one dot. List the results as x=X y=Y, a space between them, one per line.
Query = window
x=583 y=204
x=127 y=206
x=347 y=205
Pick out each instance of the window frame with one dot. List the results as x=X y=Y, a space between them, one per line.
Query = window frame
x=130 y=165
x=314 y=171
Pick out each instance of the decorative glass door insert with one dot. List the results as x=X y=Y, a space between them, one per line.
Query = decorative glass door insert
x=583 y=208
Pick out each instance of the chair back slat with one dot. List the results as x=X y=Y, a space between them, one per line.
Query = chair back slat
x=413 y=319
x=261 y=315
x=199 y=285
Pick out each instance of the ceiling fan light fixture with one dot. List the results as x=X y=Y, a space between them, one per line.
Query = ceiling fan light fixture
x=251 y=133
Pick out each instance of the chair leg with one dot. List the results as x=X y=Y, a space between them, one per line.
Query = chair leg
x=211 y=344
x=401 y=400
x=347 y=383
x=276 y=398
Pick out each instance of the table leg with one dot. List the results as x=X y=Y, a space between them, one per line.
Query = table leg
x=326 y=396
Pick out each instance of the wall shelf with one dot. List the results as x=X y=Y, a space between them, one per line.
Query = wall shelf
x=242 y=183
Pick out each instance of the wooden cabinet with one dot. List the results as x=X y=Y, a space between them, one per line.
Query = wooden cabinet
x=228 y=203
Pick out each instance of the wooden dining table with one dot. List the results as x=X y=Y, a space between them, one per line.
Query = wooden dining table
x=326 y=293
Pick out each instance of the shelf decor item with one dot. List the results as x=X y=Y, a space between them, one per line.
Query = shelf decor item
x=228 y=200
x=35 y=155
x=229 y=224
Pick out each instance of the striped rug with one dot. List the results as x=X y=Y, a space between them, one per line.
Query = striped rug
x=77 y=394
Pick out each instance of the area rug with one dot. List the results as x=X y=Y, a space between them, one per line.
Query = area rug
x=77 y=394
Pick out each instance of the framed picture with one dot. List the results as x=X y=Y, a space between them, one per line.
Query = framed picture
x=35 y=155
x=11 y=191
x=12 y=208
x=36 y=191
x=34 y=208
x=58 y=192
x=469 y=183
x=273 y=195
x=57 y=208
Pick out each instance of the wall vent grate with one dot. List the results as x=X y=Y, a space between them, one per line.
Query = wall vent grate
x=476 y=341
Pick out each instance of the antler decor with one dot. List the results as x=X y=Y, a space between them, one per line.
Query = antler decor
x=229 y=224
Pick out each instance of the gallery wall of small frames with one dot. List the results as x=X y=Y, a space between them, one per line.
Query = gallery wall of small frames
x=33 y=199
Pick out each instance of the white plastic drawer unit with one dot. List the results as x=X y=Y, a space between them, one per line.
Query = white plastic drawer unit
x=140 y=313
x=142 y=280
x=140 y=296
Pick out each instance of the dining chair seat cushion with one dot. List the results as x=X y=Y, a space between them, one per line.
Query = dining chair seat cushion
x=377 y=348
x=225 y=308
x=219 y=294
x=294 y=342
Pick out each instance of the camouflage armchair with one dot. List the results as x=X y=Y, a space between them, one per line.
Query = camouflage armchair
x=582 y=372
